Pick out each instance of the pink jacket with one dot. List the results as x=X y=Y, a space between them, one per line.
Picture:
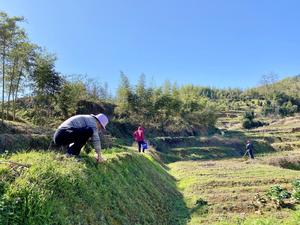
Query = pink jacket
x=139 y=134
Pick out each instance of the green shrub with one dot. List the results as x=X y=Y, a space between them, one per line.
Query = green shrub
x=278 y=195
x=249 y=115
x=296 y=190
x=248 y=124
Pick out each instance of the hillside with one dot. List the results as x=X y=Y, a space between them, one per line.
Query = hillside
x=183 y=180
x=127 y=189
x=220 y=186
x=16 y=136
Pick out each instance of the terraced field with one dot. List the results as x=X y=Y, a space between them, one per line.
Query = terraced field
x=232 y=188
x=220 y=186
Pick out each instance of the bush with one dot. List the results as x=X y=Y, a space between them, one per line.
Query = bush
x=278 y=195
x=249 y=121
x=267 y=109
x=296 y=191
x=248 y=124
x=287 y=109
x=249 y=115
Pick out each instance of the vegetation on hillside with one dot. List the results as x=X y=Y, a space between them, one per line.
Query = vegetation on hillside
x=127 y=189
x=34 y=90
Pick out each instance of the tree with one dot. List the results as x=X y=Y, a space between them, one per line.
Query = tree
x=124 y=96
x=141 y=87
x=167 y=87
x=166 y=107
x=9 y=33
x=191 y=99
x=21 y=58
x=46 y=83
x=267 y=82
x=268 y=79
x=97 y=91
x=70 y=94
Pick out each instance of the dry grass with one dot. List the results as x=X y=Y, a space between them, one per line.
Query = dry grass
x=233 y=187
x=229 y=186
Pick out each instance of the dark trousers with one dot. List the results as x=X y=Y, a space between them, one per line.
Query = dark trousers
x=140 y=143
x=250 y=153
x=76 y=136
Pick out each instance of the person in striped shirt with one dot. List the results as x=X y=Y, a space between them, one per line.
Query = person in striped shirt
x=77 y=130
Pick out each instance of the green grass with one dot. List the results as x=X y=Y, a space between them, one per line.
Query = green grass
x=127 y=189
x=211 y=170
x=229 y=186
x=190 y=180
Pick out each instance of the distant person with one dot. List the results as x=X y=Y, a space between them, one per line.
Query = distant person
x=76 y=131
x=139 y=136
x=249 y=149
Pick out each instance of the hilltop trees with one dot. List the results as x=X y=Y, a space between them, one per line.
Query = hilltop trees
x=168 y=109
x=21 y=57
x=46 y=83
x=11 y=35
x=48 y=95
x=69 y=96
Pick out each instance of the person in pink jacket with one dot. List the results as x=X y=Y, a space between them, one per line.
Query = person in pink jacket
x=139 y=136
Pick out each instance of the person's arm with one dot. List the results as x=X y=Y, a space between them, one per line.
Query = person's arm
x=143 y=135
x=97 y=145
x=247 y=147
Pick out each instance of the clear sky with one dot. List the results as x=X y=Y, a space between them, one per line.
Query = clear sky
x=219 y=43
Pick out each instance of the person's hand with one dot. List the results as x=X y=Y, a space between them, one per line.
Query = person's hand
x=99 y=158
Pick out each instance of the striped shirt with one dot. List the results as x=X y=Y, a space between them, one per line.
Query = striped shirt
x=81 y=121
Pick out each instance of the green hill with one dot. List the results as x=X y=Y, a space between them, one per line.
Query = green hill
x=127 y=189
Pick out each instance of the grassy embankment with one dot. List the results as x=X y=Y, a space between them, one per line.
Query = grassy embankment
x=127 y=189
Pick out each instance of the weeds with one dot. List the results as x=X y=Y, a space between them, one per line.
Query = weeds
x=278 y=194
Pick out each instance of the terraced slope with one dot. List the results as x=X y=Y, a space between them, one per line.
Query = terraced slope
x=212 y=170
x=231 y=188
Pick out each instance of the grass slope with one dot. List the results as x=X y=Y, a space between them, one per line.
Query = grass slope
x=127 y=189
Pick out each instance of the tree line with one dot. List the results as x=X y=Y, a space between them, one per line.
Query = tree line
x=33 y=89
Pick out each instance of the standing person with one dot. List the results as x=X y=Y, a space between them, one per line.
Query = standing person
x=76 y=131
x=139 y=136
x=249 y=149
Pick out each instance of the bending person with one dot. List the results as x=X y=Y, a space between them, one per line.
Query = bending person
x=76 y=131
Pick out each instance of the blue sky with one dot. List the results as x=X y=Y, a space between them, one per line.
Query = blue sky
x=219 y=43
